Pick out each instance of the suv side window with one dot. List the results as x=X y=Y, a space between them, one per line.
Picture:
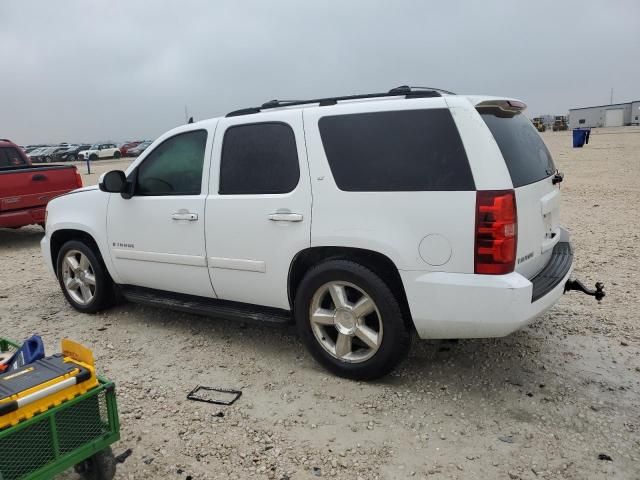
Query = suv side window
x=259 y=158
x=174 y=167
x=399 y=150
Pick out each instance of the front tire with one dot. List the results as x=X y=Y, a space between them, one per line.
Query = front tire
x=83 y=278
x=350 y=320
x=117 y=154
x=93 y=156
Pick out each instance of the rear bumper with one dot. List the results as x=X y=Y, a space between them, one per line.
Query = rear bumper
x=456 y=305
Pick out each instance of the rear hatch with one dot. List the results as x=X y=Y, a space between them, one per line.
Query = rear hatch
x=532 y=171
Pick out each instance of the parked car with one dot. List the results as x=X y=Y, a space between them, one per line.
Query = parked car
x=138 y=149
x=51 y=154
x=432 y=213
x=30 y=148
x=25 y=189
x=100 y=150
x=125 y=147
x=37 y=155
x=71 y=153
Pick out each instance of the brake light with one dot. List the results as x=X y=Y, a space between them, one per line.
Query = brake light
x=78 y=179
x=496 y=232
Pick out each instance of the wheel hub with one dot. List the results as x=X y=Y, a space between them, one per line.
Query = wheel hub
x=345 y=321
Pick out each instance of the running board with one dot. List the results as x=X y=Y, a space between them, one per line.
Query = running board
x=209 y=307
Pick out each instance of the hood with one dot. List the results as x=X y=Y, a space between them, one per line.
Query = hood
x=85 y=189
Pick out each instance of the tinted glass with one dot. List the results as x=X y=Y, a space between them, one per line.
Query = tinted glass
x=10 y=157
x=524 y=152
x=259 y=158
x=404 y=150
x=174 y=167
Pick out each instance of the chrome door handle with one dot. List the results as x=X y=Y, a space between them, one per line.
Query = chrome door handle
x=192 y=217
x=285 y=217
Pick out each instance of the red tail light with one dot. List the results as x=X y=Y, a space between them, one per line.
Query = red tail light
x=496 y=232
x=78 y=179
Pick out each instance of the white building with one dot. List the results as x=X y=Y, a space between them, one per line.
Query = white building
x=615 y=115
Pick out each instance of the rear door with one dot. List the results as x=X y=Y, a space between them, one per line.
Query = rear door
x=258 y=212
x=537 y=199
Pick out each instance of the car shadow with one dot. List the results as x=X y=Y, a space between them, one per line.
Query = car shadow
x=19 y=238
x=448 y=364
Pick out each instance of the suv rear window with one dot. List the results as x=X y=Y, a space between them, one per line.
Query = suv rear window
x=401 y=150
x=524 y=152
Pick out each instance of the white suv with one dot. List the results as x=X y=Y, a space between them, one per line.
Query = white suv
x=100 y=150
x=365 y=218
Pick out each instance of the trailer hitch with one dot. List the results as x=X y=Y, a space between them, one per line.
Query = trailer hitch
x=580 y=287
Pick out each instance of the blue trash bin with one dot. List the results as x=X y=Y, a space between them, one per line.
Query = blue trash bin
x=580 y=137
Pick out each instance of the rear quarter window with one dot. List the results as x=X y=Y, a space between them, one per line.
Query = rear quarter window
x=524 y=152
x=402 y=150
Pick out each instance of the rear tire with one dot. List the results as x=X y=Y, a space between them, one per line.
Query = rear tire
x=83 y=278
x=117 y=154
x=350 y=320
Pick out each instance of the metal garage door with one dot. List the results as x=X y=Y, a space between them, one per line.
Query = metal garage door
x=614 y=118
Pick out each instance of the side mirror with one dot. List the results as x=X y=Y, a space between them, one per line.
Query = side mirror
x=113 y=182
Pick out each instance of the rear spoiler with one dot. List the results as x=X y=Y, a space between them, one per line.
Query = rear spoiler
x=512 y=106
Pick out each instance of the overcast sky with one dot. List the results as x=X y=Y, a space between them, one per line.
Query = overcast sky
x=117 y=70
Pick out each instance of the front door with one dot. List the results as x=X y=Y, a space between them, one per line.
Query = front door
x=258 y=210
x=156 y=237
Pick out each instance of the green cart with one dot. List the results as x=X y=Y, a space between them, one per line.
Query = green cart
x=77 y=433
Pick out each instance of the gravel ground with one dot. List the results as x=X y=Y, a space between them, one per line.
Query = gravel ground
x=545 y=402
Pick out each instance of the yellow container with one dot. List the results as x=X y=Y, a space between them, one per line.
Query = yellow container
x=46 y=383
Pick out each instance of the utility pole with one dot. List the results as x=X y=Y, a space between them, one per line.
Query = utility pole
x=611 y=98
x=186 y=115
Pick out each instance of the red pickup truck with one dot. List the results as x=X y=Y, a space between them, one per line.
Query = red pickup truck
x=25 y=189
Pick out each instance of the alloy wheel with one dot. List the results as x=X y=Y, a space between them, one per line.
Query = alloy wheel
x=346 y=322
x=78 y=277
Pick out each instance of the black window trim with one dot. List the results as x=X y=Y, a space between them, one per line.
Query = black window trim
x=268 y=122
x=133 y=176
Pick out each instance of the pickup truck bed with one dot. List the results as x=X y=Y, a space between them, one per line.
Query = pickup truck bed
x=25 y=191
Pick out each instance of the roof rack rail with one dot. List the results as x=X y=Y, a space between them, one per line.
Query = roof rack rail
x=404 y=90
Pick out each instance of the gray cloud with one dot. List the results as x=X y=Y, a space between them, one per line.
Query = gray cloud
x=89 y=71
